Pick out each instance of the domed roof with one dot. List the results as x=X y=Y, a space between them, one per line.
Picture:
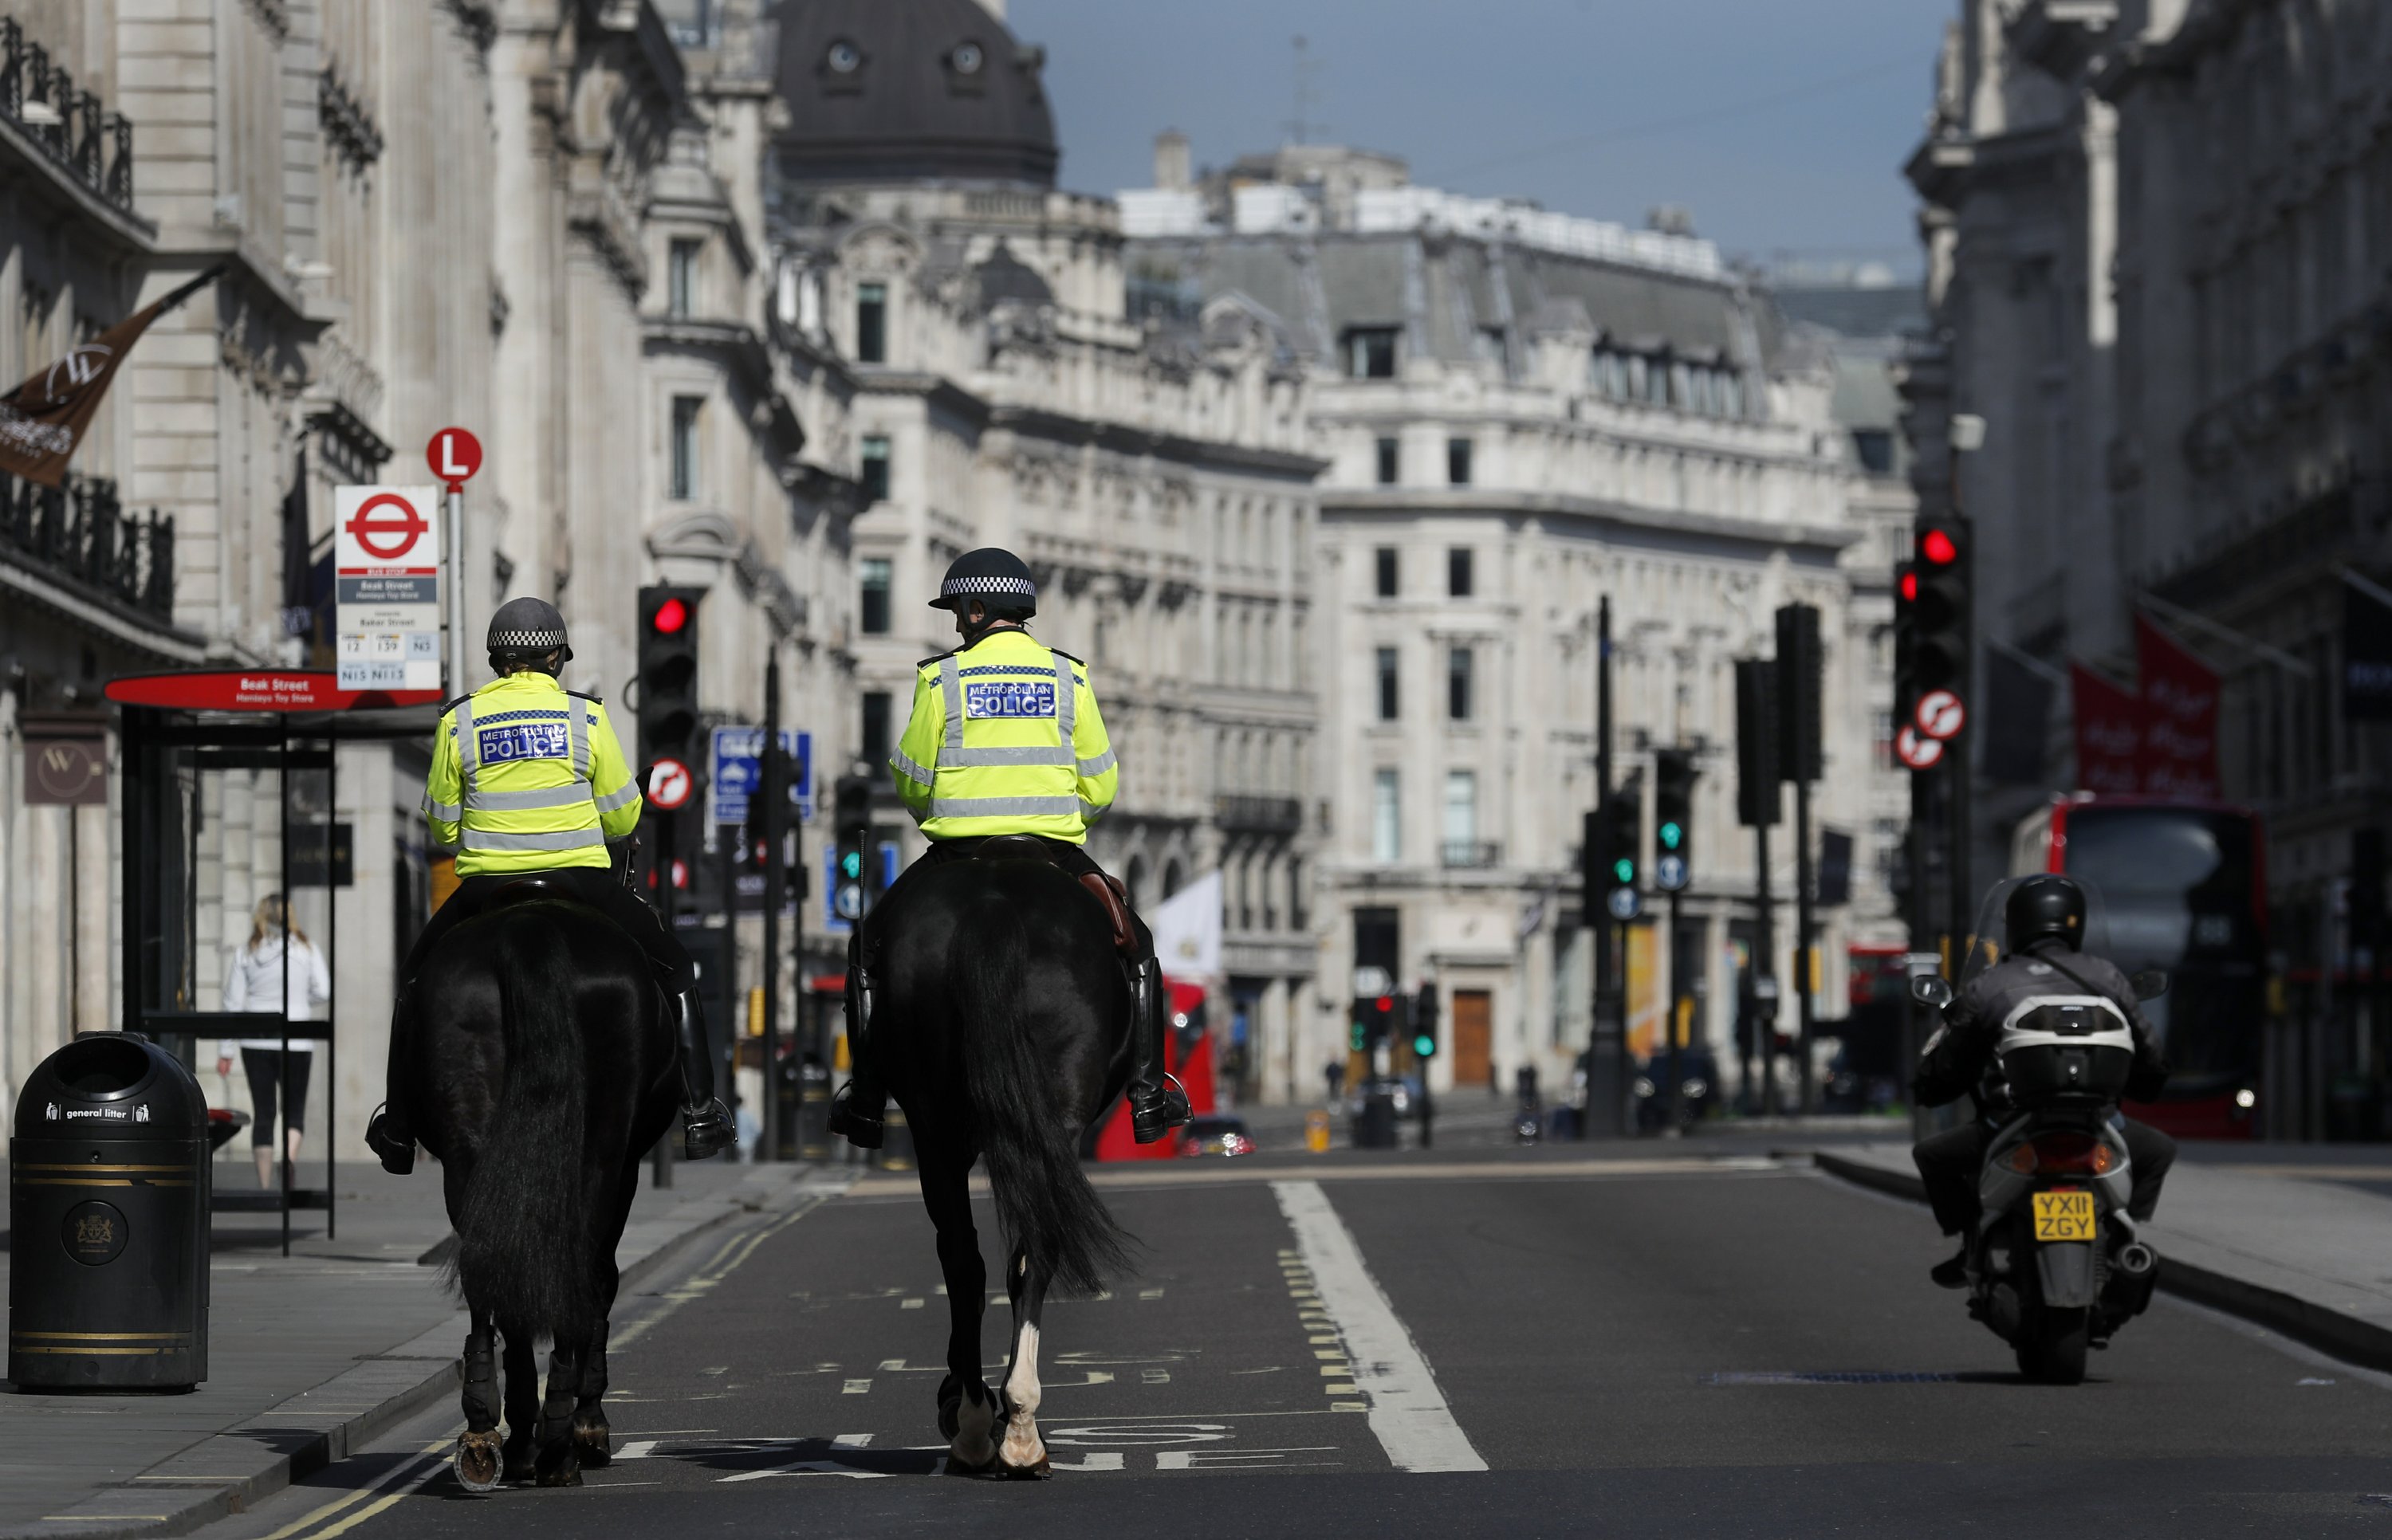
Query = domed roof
x=910 y=90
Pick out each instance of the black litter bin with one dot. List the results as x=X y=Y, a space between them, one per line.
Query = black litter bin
x=108 y=1214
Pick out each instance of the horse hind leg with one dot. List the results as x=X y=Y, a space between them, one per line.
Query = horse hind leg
x=593 y=1440
x=523 y=1405
x=967 y=1412
x=477 y=1459
x=1023 y=1453
x=559 y=1462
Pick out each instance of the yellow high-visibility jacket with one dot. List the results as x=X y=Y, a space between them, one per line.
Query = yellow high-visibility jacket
x=1005 y=739
x=528 y=776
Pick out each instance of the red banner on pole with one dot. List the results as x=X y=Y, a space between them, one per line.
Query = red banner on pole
x=2179 y=716
x=2109 y=734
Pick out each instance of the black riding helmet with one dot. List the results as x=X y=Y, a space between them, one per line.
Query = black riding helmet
x=998 y=579
x=2045 y=907
x=525 y=631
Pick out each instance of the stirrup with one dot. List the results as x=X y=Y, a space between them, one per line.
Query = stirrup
x=862 y=1129
x=1168 y=1107
x=397 y=1157
x=707 y=1131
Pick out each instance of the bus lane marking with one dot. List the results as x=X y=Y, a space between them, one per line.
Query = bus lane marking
x=1407 y=1413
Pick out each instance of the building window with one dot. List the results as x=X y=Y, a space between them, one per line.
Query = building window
x=1390 y=462
x=876 y=469
x=1370 y=352
x=684 y=445
x=1487 y=344
x=1458 y=574
x=1635 y=377
x=1461 y=818
x=876 y=728
x=1390 y=700
x=1457 y=683
x=1874 y=447
x=1457 y=461
x=1385 y=562
x=871 y=323
x=680 y=278
x=1731 y=394
x=874 y=615
x=1657 y=383
x=1386 y=819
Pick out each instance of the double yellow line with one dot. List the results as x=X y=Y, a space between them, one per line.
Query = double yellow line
x=402 y=1480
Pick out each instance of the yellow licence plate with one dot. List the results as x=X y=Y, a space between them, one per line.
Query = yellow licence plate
x=2066 y=1214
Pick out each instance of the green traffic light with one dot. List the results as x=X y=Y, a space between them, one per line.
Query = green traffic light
x=1423 y=1046
x=1672 y=835
x=1624 y=869
x=851 y=864
x=1360 y=1038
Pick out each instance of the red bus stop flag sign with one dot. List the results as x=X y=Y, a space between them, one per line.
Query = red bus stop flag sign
x=454 y=455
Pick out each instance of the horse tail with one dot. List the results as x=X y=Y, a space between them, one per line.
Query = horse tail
x=1029 y=1139
x=525 y=1239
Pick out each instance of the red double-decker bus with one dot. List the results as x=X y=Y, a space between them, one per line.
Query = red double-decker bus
x=2183 y=887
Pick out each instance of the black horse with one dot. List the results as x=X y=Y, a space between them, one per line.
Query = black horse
x=1003 y=1032
x=544 y=1067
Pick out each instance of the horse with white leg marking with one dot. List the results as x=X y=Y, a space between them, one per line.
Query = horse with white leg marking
x=544 y=1067
x=1003 y=1029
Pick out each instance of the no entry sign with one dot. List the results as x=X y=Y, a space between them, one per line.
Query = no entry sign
x=1940 y=715
x=668 y=786
x=1916 y=750
x=386 y=582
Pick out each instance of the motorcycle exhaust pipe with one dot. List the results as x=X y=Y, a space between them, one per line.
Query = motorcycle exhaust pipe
x=2134 y=1258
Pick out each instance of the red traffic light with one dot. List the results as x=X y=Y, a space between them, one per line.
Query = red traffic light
x=1386 y=1002
x=1909 y=587
x=1939 y=547
x=671 y=616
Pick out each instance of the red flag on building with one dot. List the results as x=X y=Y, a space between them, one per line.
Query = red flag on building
x=2179 y=716
x=2109 y=734
x=43 y=420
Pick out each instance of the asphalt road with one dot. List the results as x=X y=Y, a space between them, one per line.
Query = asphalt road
x=1685 y=1342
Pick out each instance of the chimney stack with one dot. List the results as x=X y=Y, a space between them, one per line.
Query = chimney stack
x=1171 y=171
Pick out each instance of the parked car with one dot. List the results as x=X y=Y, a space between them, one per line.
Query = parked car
x=1688 y=1102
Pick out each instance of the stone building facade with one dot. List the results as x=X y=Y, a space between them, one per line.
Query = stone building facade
x=1522 y=411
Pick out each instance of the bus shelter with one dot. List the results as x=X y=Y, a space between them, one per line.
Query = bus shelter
x=195 y=744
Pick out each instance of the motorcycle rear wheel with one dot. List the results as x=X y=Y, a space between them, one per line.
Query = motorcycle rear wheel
x=2053 y=1344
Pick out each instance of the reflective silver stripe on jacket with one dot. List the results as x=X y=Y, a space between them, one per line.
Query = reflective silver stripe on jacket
x=624 y=798
x=910 y=770
x=1067 y=703
x=569 y=839
x=464 y=720
x=577 y=723
x=573 y=795
x=447 y=812
x=1005 y=807
x=1099 y=765
x=1023 y=754
x=951 y=690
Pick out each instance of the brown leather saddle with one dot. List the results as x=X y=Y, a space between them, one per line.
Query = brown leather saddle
x=1104 y=887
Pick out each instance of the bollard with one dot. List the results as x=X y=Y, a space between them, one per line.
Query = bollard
x=108 y=1212
x=1375 y=1128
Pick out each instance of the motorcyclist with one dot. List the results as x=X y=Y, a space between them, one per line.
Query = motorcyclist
x=528 y=777
x=1005 y=738
x=2043 y=924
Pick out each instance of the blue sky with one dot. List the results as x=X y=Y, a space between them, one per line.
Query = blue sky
x=1781 y=124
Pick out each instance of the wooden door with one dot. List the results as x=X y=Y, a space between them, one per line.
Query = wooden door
x=1473 y=1038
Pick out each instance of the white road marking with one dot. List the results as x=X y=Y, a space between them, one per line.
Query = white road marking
x=638 y=1449
x=1233 y=1459
x=857 y=1387
x=1093 y=1461
x=806 y=1468
x=850 y=1441
x=1407 y=1413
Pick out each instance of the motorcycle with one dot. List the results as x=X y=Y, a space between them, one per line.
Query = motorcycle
x=2056 y=1265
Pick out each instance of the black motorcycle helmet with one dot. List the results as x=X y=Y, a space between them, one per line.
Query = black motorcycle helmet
x=2047 y=907
x=998 y=579
x=524 y=632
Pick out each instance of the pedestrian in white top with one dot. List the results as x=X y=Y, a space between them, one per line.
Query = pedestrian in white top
x=254 y=982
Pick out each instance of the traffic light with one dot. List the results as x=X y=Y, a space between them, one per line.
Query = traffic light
x=1375 y=1017
x=1673 y=819
x=1755 y=742
x=1905 y=640
x=1425 y=1023
x=1800 y=669
x=1941 y=573
x=1623 y=848
x=853 y=823
x=2367 y=867
x=667 y=664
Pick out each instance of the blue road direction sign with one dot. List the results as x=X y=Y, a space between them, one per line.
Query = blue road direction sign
x=1669 y=873
x=738 y=758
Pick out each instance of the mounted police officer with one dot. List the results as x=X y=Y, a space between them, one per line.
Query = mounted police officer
x=1006 y=739
x=527 y=778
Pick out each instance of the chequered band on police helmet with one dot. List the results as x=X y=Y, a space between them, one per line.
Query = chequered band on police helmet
x=528 y=642
x=1020 y=588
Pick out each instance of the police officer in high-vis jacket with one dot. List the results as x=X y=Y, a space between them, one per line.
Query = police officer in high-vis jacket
x=1006 y=739
x=528 y=777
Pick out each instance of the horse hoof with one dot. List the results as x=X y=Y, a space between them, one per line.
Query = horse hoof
x=957 y=1467
x=569 y=1475
x=477 y=1461
x=593 y=1441
x=1042 y=1471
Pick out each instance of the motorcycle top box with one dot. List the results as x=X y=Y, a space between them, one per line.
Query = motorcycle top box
x=2072 y=1050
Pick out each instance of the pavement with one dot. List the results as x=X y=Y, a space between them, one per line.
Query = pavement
x=311 y=1356
x=2298 y=1239
x=1696 y=1337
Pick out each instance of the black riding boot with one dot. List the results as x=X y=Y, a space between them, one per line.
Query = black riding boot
x=860 y=1110
x=706 y=1125
x=1157 y=1105
x=387 y=1133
